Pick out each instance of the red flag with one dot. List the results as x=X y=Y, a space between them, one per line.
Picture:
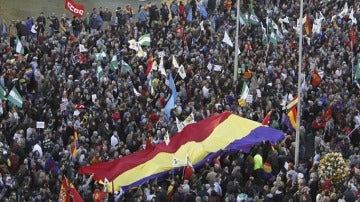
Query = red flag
x=328 y=113
x=184 y=39
x=74 y=145
x=149 y=143
x=316 y=79
x=188 y=171
x=99 y=196
x=74 y=193
x=352 y=36
x=64 y=194
x=76 y=9
x=308 y=25
x=80 y=106
x=149 y=65
x=266 y=120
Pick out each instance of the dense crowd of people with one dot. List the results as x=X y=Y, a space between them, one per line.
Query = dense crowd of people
x=67 y=81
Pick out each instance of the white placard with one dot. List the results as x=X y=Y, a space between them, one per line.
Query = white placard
x=93 y=98
x=40 y=124
x=249 y=99
x=258 y=93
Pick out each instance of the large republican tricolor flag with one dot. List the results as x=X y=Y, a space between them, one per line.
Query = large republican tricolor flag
x=76 y=9
x=199 y=142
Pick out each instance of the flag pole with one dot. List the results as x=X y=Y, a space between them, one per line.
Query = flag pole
x=236 y=41
x=298 y=114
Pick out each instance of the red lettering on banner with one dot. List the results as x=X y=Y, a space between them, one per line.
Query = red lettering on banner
x=76 y=9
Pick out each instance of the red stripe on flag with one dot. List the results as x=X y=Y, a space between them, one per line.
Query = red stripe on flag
x=112 y=169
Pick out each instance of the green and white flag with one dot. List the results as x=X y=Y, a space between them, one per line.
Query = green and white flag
x=1 y=108
x=279 y=35
x=265 y=37
x=125 y=66
x=15 y=98
x=242 y=18
x=245 y=91
x=114 y=63
x=2 y=93
x=19 y=46
x=144 y=40
x=357 y=72
x=253 y=19
x=99 y=71
x=273 y=38
x=152 y=90
x=100 y=56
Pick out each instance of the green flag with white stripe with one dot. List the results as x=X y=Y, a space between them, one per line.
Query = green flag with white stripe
x=99 y=71
x=114 y=63
x=144 y=40
x=2 y=93
x=15 y=98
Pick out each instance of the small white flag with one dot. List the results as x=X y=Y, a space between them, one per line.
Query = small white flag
x=136 y=92
x=352 y=17
x=217 y=68
x=182 y=72
x=202 y=26
x=189 y=120
x=161 y=66
x=82 y=48
x=179 y=125
x=227 y=40
x=133 y=44
x=19 y=46
x=175 y=63
x=167 y=138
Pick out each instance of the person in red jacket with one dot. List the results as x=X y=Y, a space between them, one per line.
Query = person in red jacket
x=182 y=11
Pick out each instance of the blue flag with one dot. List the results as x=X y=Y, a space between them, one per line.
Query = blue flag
x=172 y=100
